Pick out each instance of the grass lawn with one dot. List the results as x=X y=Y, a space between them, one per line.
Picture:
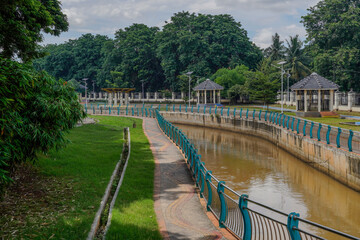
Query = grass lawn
x=133 y=214
x=59 y=196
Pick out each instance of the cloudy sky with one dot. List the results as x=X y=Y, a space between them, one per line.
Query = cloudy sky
x=261 y=18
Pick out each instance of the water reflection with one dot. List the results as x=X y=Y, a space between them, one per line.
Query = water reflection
x=272 y=176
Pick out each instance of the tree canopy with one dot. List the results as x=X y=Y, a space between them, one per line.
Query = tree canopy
x=22 y=24
x=333 y=33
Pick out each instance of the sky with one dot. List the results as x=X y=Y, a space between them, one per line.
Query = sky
x=260 y=18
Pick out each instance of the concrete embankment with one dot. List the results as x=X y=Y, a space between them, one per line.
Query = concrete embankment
x=338 y=163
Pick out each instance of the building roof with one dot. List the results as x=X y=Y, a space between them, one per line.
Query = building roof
x=314 y=82
x=208 y=85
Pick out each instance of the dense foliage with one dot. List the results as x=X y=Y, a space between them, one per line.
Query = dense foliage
x=334 y=40
x=189 y=42
x=36 y=111
x=22 y=24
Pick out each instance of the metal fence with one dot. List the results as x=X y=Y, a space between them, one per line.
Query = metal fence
x=244 y=217
x=140 y=111
x=345 y=139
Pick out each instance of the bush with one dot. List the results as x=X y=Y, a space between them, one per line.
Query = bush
x=36 y=111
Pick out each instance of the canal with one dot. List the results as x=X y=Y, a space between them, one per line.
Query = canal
x=271 y=176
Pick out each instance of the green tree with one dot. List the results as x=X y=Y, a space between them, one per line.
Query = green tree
x=237 y=92
x=296 y=58
x=22 y=24
x=137 y=46
x=262 y=88
x=277 y=50
x=36 y=112
x=203 y=44
x=230 y=77
x=332 y=30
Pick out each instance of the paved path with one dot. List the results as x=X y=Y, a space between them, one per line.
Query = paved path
x=179 y=212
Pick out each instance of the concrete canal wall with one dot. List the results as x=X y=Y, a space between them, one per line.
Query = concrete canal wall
x=338 y=163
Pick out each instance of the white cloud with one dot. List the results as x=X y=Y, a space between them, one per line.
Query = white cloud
x=261 y=18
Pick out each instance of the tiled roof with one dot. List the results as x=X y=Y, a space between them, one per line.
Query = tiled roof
x=314 y=82
x=208 y=85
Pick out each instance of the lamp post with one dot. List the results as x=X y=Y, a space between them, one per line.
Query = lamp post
x=288 y=92
x=85 y=80
x=282 y=81
x=142 y=85
x=189 y=75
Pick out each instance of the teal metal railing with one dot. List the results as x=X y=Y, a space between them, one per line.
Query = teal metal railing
x=338 y=137
x=246 y=218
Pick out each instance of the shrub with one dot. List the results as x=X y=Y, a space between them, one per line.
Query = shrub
x=36 y=111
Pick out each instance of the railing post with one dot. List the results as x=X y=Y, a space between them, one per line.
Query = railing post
x=247 y=113
x=298 y=126
x=283 y=121
x=109 y=110
x=266 y=115
x=202 y=180
x=198 y=109
x=292 y=226
x=210 y=110
x=228 y=112
x=118 y=110
x=254 y=114
x=240 y=112
x=311 y=129
x=234 y=113
x=215 y=110
x=192 y=108
x=304 y=128
x=328 y=135
x=319 y=132
x=260 y=115
x=208 y=181
x=287 y=123
x=246 y=217
x=127 y=110
x=132 y=111
x=204 y=109
x=351 y=134
x=222 y=111
x=93 y=110
x=167 y=107
x=186 y=108
x=292 y=124
x=338 y=138
x=173 y=107
x=180 y=108
x=223 y=209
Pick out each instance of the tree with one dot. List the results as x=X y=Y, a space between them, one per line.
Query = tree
x=36 y=111
x=137 y=46
x=237 y=92
x=332 y=30
x=22 y=24
x=203 y=44
x=230 y=77
x=262 y=88
x=277 y=50
x=296 y=58
x=77 y=59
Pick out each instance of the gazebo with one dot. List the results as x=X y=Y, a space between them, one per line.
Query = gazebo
x=117 y=93
x=208 y=92
x=314 y=94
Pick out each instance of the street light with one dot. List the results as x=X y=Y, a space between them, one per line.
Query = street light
x=189 y=75
x=282 y=85
x=288 y=92
x=142 y=85
x=85 y=80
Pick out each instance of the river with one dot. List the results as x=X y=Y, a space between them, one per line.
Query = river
x=269 y=175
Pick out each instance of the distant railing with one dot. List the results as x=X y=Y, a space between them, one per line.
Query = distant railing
x=139 y=111
x=244 y=217
x=338 y=137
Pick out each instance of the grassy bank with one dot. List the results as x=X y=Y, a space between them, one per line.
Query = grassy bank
x=133 y=215
x=59 y=196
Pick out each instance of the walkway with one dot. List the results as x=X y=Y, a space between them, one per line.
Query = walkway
x=179 y=212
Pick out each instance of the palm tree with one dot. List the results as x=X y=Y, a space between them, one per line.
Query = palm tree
x=276 y=50
x=296 y=58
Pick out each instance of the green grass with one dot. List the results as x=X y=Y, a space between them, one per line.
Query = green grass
x=133 y=215
x=335 y=122
x=62 y=202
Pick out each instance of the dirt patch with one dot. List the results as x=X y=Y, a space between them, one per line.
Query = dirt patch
x=32 y=200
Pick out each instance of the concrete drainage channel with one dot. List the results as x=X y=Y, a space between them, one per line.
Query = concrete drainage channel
x=102 y=218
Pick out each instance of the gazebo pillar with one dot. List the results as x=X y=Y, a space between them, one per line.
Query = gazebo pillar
x=319 y=100
x=219 y=97
x=331 y=102
x=205 y=97
x=198 y=97
x=109 y=99
x=214 y=96
x=305 y=101
x=115 y=98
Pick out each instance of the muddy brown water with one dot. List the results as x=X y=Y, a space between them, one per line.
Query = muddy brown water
x=270 y=175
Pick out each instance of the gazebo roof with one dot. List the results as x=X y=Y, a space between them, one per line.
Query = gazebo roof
x=314 y=82
x=208 y=85
x=114 y=90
